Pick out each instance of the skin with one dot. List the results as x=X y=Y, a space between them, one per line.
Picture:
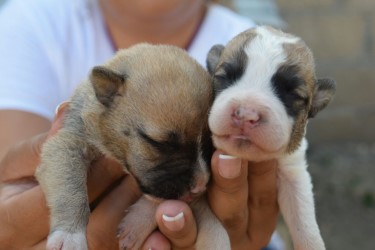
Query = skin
x=250 y=218
x=160 y=22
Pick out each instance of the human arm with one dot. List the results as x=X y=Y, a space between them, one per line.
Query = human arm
x=13 y=128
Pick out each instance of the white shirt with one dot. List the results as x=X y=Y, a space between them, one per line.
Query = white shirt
x=47 y=47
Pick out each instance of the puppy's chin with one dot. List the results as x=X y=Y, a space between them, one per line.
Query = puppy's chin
x=245 y=148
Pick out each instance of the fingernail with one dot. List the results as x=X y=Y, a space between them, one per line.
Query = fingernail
x=229 y=166
x=174 y=223
x=58 y=107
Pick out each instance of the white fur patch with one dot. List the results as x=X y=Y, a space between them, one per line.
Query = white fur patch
x=254 y=93
x=250 y=121
x=62 y=240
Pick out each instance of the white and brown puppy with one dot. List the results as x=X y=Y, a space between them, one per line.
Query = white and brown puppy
x=147 y=108
x=266 y=91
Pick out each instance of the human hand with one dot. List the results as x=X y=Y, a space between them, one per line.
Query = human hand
x=243 y=196
x=24 y=222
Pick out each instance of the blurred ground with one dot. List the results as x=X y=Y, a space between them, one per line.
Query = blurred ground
x=344 y=187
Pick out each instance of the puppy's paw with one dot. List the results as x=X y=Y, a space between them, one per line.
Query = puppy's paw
x=137 y=225
x=131 y=234
x=62 y=240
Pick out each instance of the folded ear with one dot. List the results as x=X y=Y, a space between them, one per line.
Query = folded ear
x=213 y=57
x=324 y=91
x=106 y=83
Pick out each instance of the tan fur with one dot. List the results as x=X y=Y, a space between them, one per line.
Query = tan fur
x=157 y=92
x=235 y=47
x=299 y=54
x=238 y=43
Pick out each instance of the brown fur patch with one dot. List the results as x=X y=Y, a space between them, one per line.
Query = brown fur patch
x=237 y=45
x=299 y=54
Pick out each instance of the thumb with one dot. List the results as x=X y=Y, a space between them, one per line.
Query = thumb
x=59 y=117
x=177 y=223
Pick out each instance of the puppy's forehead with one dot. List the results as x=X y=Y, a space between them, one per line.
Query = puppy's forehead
x=260 y=53
x=261 y=38
x=170 y=94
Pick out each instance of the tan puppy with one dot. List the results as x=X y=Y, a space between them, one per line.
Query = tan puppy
x=266 y=91
x=147 y=108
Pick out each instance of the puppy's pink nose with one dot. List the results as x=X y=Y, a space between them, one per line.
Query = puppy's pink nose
x=245 y=117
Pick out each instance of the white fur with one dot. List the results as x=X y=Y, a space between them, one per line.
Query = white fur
x=296 y=200
x=62 y=240
x=269 y=139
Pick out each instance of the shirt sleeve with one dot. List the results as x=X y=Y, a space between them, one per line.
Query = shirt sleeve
x=28 y=78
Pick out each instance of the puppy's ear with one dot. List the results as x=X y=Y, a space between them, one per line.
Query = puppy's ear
x=106 y=83
x=213 y=57
x=324 y=91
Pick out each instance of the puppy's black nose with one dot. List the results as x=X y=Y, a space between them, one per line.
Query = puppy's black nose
x=169 y=180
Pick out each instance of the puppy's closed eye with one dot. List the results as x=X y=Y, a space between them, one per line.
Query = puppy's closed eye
x=165 y=145
x=230 y=71
x=291 y=89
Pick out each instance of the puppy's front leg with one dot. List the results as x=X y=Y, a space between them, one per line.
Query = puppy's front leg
x=62 y=176
x=138 y=223
x=297 y=203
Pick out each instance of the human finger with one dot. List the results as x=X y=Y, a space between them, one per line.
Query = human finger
x=41 y=245
x=157 y=241
x=104 y=220
x=24 y=218
x=262 y=202
x=102 y=175
x=57 y=122
x=177 y=223
x=228 y=193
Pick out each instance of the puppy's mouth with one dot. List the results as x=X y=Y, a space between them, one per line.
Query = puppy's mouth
x=243 y=145
x=153 y=198
x=190 y=197
x=240 y=138
x=187 y=196
x=237 y=142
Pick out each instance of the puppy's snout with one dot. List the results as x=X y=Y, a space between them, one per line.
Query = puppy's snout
x=246 y=117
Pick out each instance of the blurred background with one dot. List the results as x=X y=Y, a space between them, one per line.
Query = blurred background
x=341 y=34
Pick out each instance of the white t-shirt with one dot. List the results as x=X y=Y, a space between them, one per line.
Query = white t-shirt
x=47 y=47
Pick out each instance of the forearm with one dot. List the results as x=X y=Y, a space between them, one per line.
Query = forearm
x=16 y=126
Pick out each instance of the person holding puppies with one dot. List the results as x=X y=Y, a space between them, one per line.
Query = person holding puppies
x=46 y=51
